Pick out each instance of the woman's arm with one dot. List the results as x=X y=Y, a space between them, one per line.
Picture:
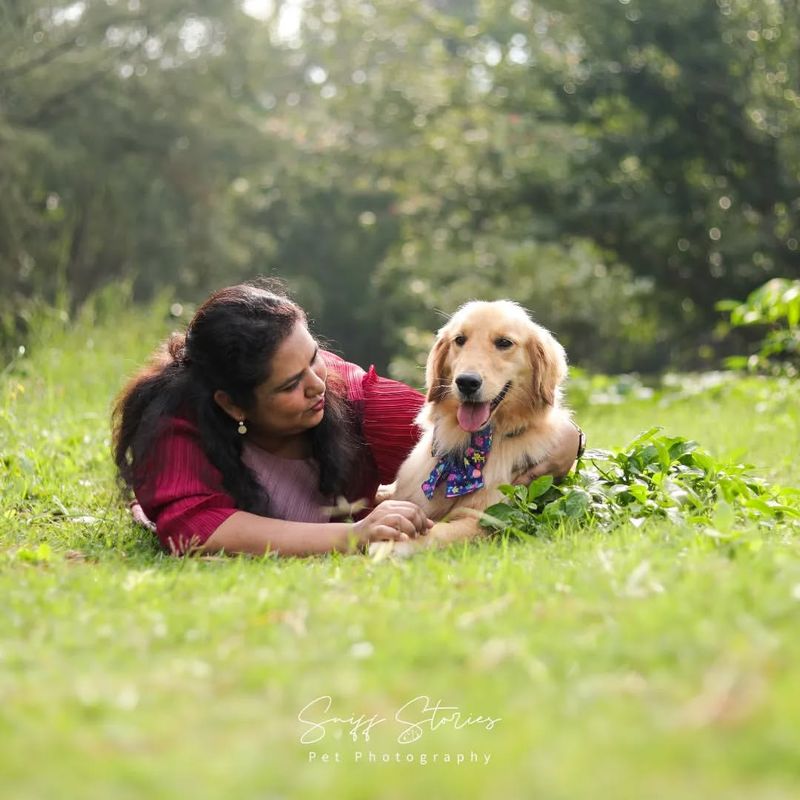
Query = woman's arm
x=181 y=495
x=243 y=532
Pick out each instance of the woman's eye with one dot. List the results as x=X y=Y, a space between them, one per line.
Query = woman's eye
x=503 y=344
x=460 y=340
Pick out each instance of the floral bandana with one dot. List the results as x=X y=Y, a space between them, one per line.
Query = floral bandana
x=463 y=472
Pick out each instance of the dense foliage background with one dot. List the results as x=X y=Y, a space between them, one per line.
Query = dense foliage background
x=618 y=166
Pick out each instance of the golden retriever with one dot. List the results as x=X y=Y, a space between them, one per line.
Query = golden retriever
x=493 y=378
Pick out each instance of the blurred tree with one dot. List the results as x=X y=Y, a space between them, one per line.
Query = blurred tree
x=123 y=126
x=617 y=166
x=417 y=99
x=684 y=162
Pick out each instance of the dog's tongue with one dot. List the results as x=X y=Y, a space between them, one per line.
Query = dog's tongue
x=473 y=416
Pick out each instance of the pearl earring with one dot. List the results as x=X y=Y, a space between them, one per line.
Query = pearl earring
x=242 y=428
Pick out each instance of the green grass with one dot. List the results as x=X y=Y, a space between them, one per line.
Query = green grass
x=651 y=662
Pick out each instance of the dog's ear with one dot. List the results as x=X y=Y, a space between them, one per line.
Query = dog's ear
x=436 y=376
x=548 y=367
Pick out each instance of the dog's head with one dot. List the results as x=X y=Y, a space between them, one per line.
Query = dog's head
x=492 y=361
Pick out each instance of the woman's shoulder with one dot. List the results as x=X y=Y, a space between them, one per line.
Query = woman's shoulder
x=350 y=376
x=368 y=385
x=178 y=431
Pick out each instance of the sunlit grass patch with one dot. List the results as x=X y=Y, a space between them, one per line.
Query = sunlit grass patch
x=648 y=658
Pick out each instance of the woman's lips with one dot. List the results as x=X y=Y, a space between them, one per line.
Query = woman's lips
x=319 y=405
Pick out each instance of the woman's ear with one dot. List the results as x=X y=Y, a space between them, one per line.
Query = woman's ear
x=548 y=367
x=223 y=400
x=436 y=377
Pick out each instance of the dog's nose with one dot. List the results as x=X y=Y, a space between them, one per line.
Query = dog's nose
x=468 y=383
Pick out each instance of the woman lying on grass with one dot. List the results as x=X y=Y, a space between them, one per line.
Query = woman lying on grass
x=243 y=435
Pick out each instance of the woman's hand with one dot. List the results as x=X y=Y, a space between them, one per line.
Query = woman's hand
x=392 y=520
x=137 y=512
x=559 y=462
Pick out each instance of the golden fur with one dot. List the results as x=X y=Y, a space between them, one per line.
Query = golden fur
x=526 y=423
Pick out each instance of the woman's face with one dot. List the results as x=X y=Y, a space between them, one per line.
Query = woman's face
x=292 y=400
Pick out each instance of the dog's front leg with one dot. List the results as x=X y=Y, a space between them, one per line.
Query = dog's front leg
x=440 y=535
x=456 y=530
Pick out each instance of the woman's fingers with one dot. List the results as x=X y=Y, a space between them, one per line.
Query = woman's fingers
x=383 y=533
x=393 y=520
x=400 y=523
x=409 y=511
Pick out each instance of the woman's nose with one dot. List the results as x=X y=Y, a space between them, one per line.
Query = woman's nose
x=316 y=385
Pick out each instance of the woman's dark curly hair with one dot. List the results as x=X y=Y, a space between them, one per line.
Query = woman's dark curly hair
x=228 y=345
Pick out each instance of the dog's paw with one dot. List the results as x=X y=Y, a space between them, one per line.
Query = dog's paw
x=385 y=492
x=407 y=549
x=379 y=551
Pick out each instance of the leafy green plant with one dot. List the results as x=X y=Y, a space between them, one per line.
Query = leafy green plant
x=665 y=477
x=775 y=304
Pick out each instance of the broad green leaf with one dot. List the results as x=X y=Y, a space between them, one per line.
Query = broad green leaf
x=497 y=516
x=724 y=517
x=643 y=437
x=577 y=503
x=539 y=487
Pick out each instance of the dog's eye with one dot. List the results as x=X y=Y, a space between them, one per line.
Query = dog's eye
x=460 y=340
x=503 y=343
